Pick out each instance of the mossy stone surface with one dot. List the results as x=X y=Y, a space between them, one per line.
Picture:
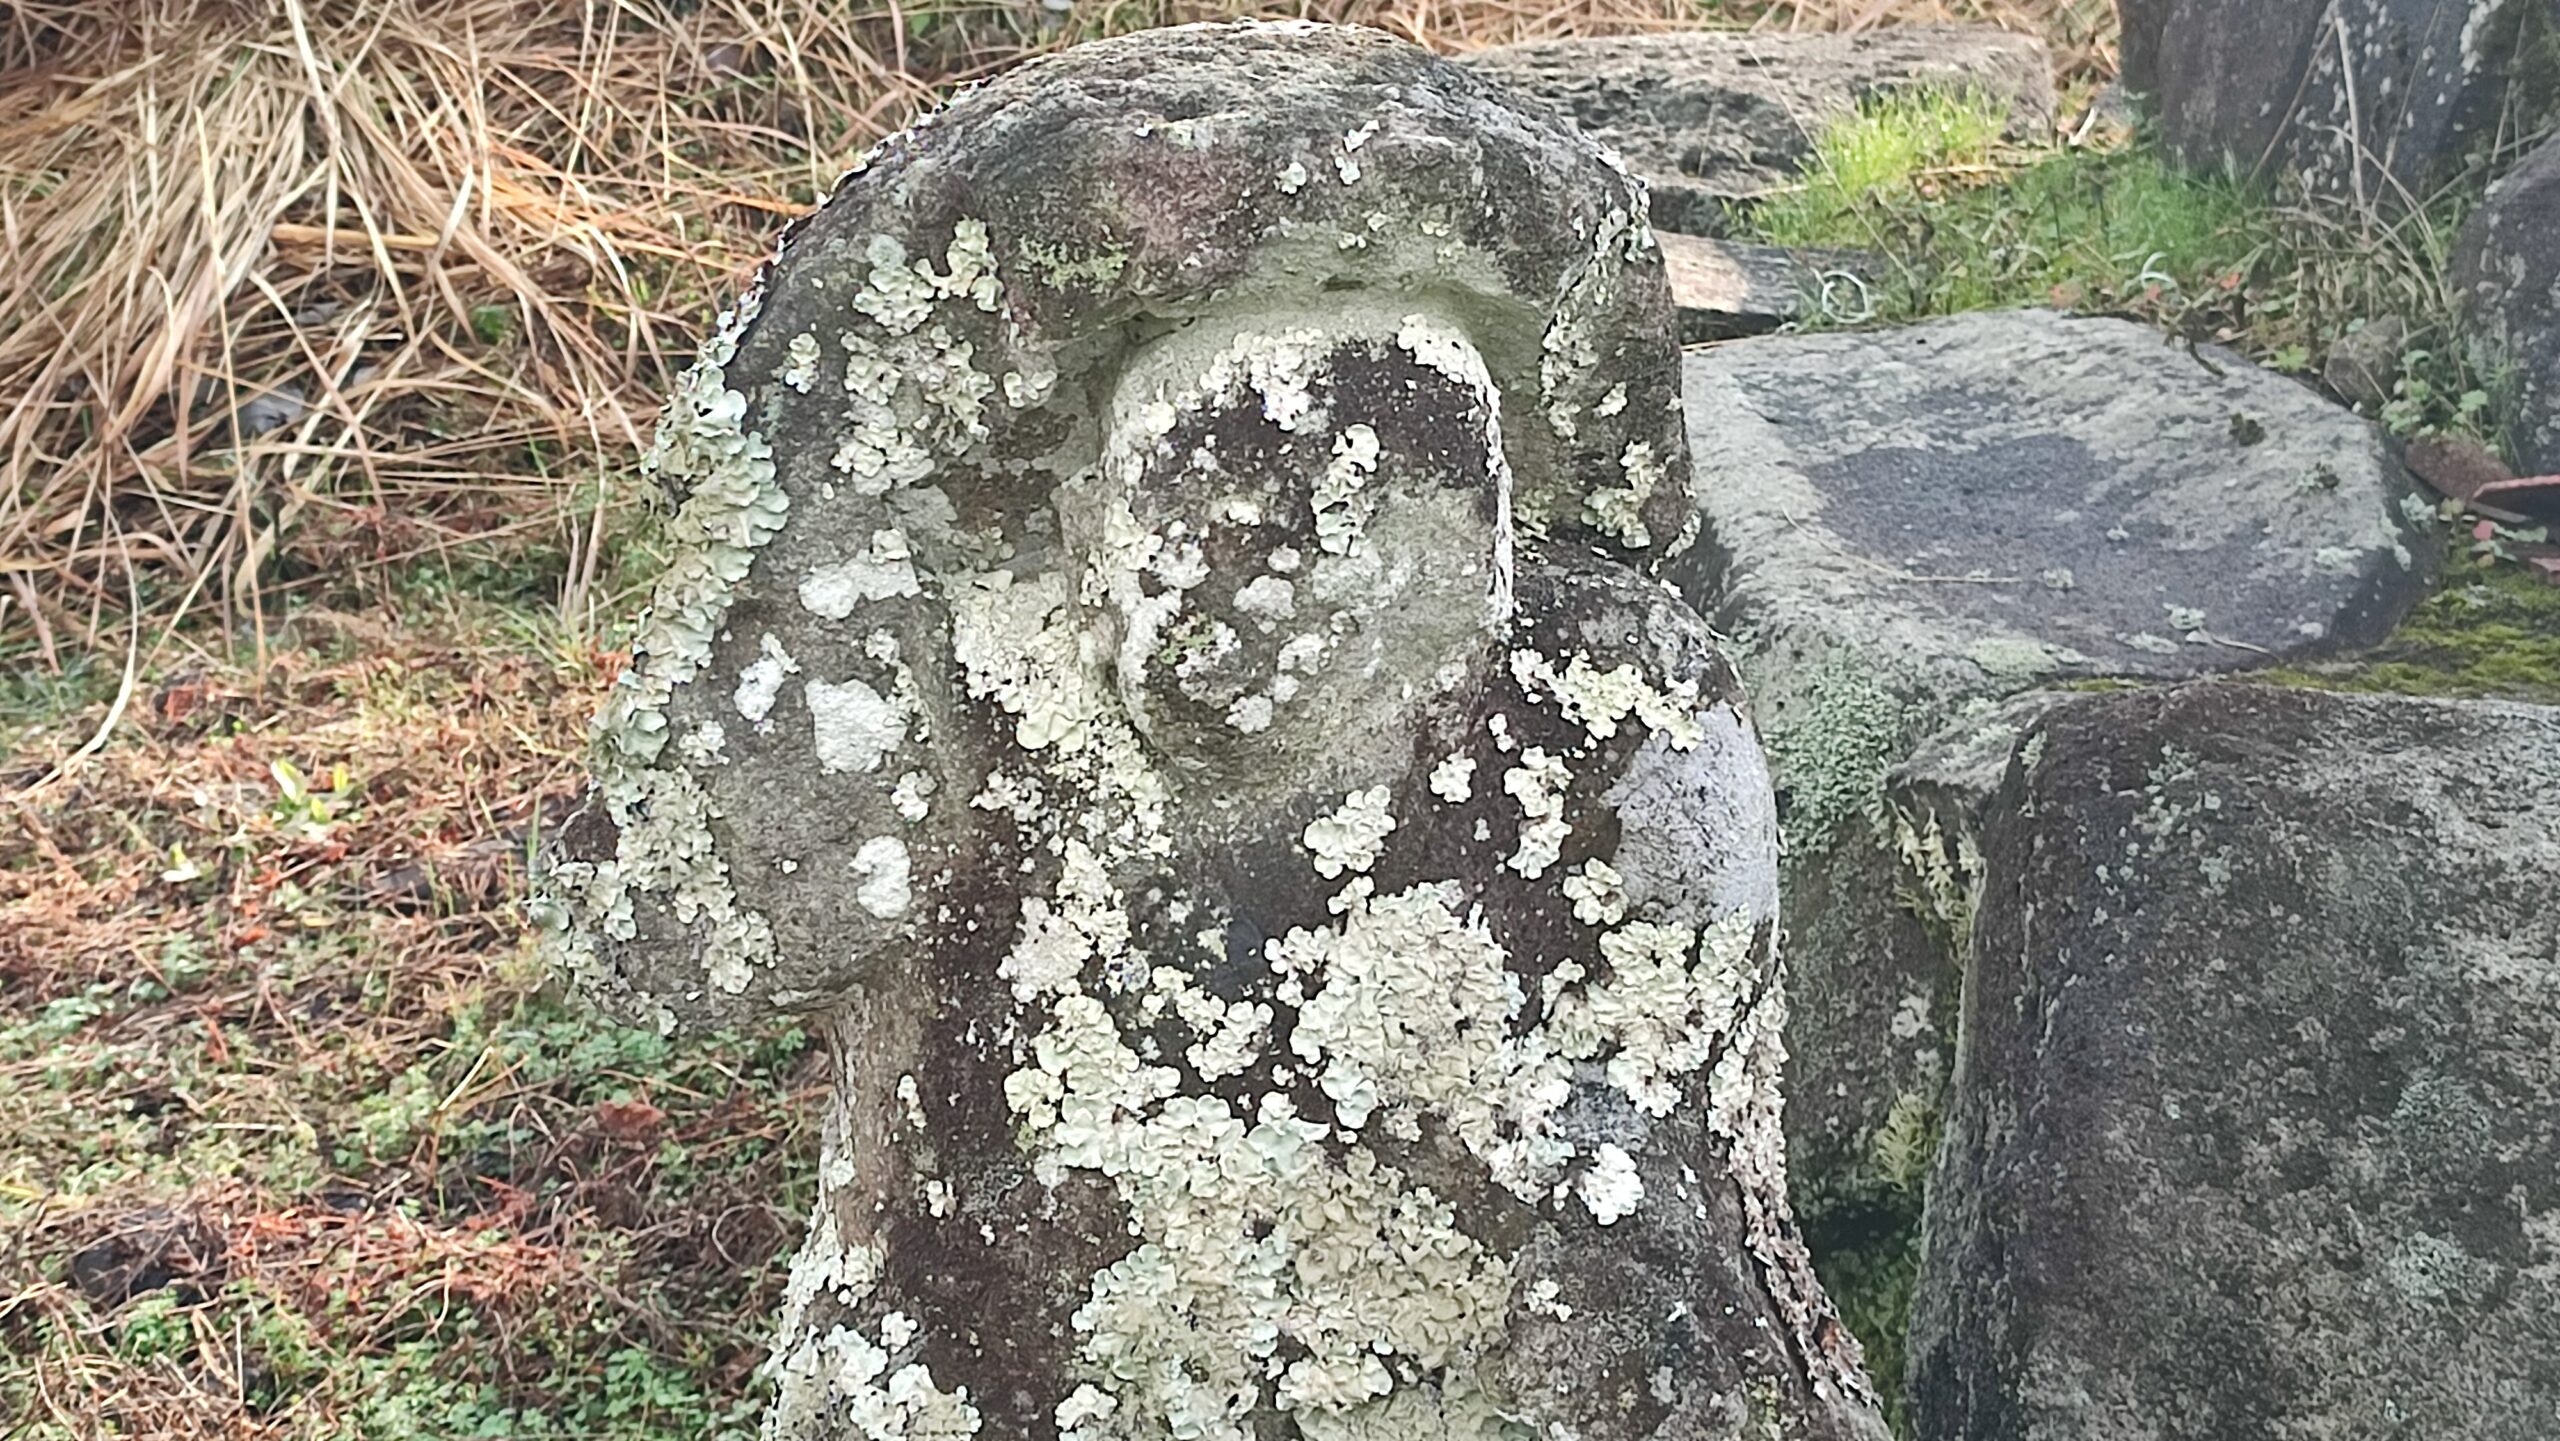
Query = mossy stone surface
x=2251 y=1131
x=2506 y=268
x=1170 y=662
x=1903 y=528
x=2374 y=99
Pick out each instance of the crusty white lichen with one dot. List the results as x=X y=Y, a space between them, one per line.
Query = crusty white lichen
x=1570 y=364
x=1453 y=780
x=760 y=682
x=661 y=813
x=1618 y=511
x=1351 y=836
x=1538 y=784
x=1341 y=511
x=1610 y=1189
x=1598 y=894
x=853 y=726
x=882 y=865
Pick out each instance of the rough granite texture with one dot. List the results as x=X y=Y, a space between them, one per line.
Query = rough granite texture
x=2506 y=267
x=1709 y=117
x=2415 y=89
x=2251 y=1133
x=1938 y=799
x=1901 y=526
x=1166 y=664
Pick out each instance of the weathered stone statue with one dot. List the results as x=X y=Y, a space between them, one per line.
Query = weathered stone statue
x=1163 y=658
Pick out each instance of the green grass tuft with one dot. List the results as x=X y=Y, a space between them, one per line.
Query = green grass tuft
x=1960 y=222
x=1961 y=226
x=1887 y=147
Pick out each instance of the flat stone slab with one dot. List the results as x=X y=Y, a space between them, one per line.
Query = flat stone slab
x=2013 y=496
x=1712 y=116
x=1900 y=527
x=1730 y=289
x=2257 y=1120
x=2507 y=269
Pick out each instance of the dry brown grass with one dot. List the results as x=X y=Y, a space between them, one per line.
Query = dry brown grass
x=299 y=286
x=450 y=244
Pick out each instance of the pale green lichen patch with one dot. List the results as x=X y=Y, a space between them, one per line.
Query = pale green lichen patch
x=802 y=371
x=1538 y=785
x=1019 y=646
x=1408 y=1006
x=1270 y=1271
x=887 y=571
x=1600 y=701
x=1058 y=267
x=662 y=816
x=1672 y=995
x=1267 y=1272
x=1351 y=837
x=896 y=296
x=1360 y=1275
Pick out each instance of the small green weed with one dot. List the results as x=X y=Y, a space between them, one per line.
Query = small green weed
x=493 y=324
x=152 y=1327
x=34 y=695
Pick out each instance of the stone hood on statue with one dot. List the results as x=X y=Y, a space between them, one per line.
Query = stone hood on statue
x=1164 y=660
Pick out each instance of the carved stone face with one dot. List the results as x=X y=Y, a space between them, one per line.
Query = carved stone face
x=1301 y=531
